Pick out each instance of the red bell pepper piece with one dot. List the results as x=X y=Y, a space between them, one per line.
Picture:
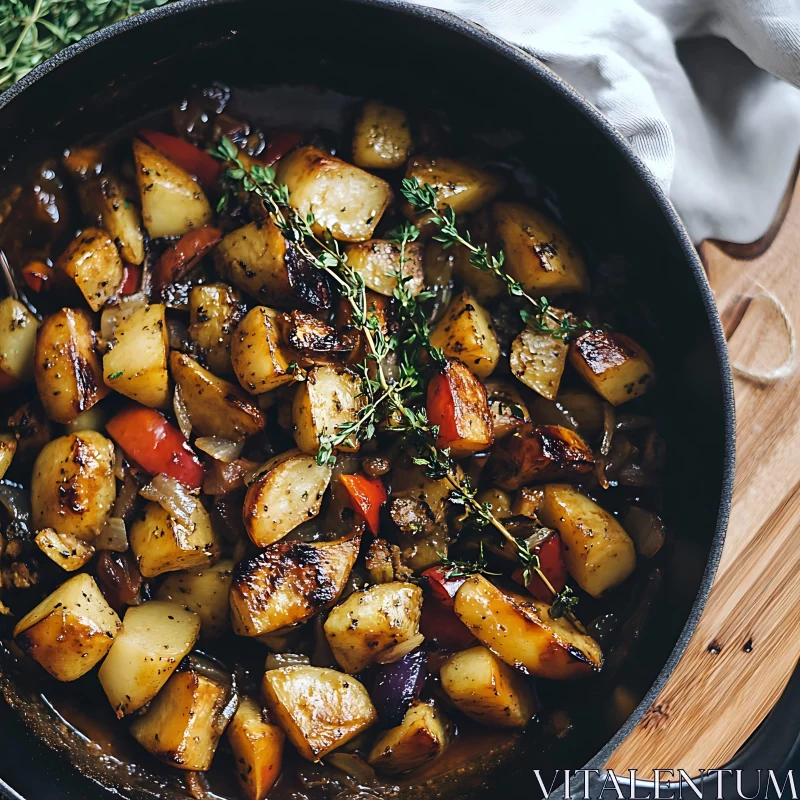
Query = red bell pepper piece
x=279 y=144
x=131 y=279
x=176 y=261
x=552 y=564
x=439 y=620
x=367 y=496
x=154 y=444
x=37 y=275
x=443 y=588
x=194 y=160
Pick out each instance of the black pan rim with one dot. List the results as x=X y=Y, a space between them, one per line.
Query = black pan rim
x=537 y=68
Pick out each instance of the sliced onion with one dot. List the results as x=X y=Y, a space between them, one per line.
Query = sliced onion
x=112 y=315
x=646 y=529
x=114 y=536
x=126 y=496
x=224 y=450
x=608 y=428
x=278 y=660
x=119 y=463
x=352 y=765
x=181 y=413
x=172 y=496
x=400 y=650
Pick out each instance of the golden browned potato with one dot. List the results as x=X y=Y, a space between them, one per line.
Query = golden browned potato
x=17 y=340
x=155 y=636
x=522 y=633
x=507 y=408
x=319 y=709
x=539 y=452
x=172 y=201
x=203 y=590
x=215 y=406
x=328 y=398
x=215 y=309
x=257 y=746
x=487 y=690
x=66 y=365
x=288 y=582
x=423 y=735
x=382 y=137
x=538 y=359
x=64 y=549
x=378 y=262
x=613 y=364
x=485 y=285
x=73 y=486
x=183 y=724
x=368 y=623
x=341 y=198
x=538 y=253
x=93 y=262
x=136 y=362
x=164 y=543
x=598 y=552
x=260 y=360
x=70 y=630
x=466 y=332
x=8 y=448
x=288 y=493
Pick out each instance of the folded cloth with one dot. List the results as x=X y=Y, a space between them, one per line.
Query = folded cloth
x=694 y=85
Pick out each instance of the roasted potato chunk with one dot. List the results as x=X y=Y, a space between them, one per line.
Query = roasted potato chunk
x=183 y=724
x=363 y=627
x=288 y=493
x=485 y=285
x=64 y=549
x=136 y=362
x=17 y=341
x=538 y=359
x=257 y=746
x=93 y=262
x=538 y=253
x=172 y=201
x=340 y=197
x=165 y=543
x=204 y=591
x=487 y=690
x=507 y=409
x=466 y=332
x=423 y=735
x=598 y=552
x=314 y=341
x=8 y=447
x=522 y=633
x=73 y=486
x=456 y=402
x=378 y=262
x=155 y=636
x=615 y=366
x=66 y=365
x=215 y=310
x=329 y=398
x=215 y=406
x=288 y=582
x=381 y=138
x=259 y=358
x=319 y=709
x=70 y=630
x=539 y=452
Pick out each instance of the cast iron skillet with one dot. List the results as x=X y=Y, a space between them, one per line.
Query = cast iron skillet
x=403 y=53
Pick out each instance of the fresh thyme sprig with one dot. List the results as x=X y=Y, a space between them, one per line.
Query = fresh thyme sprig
x=463 y=569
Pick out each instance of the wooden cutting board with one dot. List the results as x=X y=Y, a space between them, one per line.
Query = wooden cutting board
x=747 y=642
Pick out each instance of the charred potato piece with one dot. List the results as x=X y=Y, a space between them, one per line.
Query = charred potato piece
x=319 y=709
x=93 y=262
x=64 y=549
x=8 y=447
x=172 y=201
x=522 y=633
x=539 y=452
x=136 y=362
x=215 y=310
x=379 y=307
x=70 y=630
x=368 y=623
x=204 y=591
x=260 y=360
x=288 y=582
x=507 y=409
x=598 y=552
x=466 y=332
x=73 y=486
x=538 y=359
x=31 y=429
x=340 y=197
x=613 y=364
x=66 y=365
x=257 y=746
x=215 y=407
x=164 y=543
x=381 y=138
x=487 y=690
x=378 y=261
x=288 y=493
x=17 y=342
x=183 y=724
x=313 y=341
x=423 y=735
x=155 y=636
x=538 y=253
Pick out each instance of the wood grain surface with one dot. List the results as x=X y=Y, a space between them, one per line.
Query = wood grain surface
x=747 y=642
